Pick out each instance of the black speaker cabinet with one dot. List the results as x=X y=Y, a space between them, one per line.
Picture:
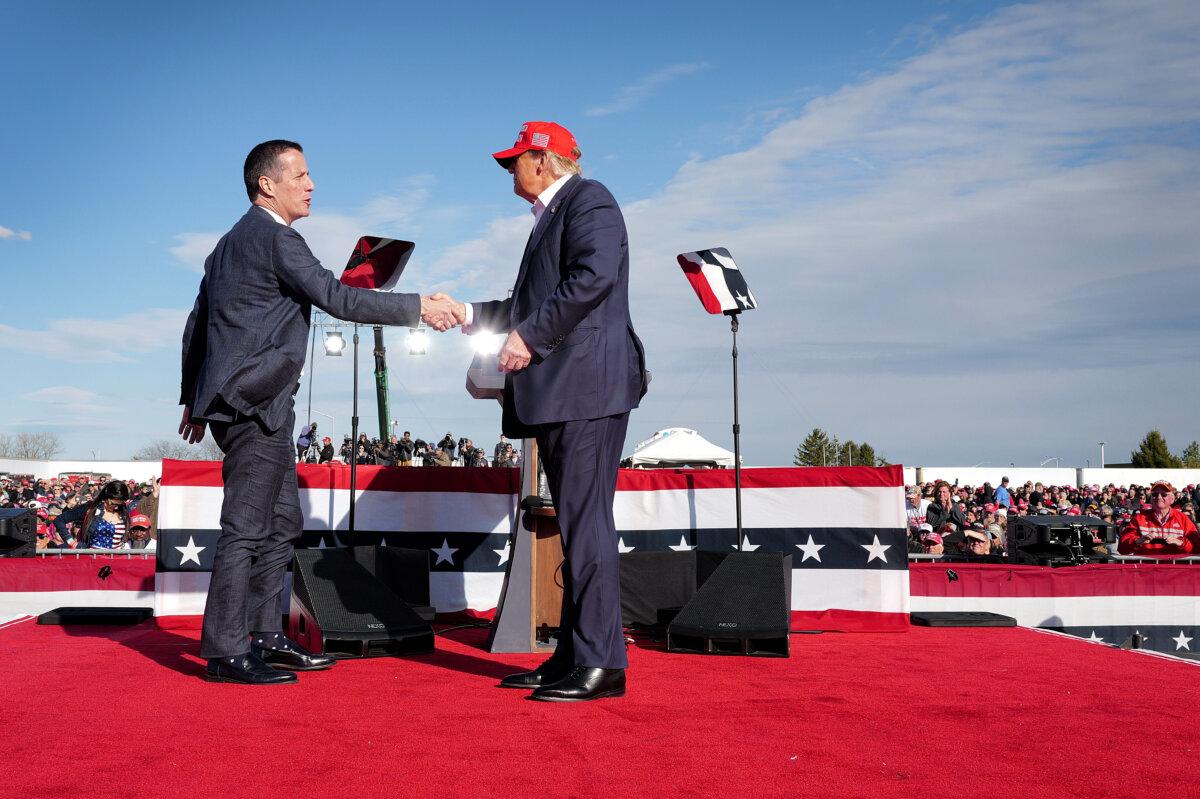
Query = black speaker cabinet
x=743 y=607
x=351 y=602
x=654 y=584
x=18 y=533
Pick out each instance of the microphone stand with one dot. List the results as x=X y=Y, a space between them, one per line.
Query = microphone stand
x=737 y=433
x=353 y=444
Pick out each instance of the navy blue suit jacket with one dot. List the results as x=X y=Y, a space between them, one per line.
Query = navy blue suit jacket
x=245 y=342
x=570 y=304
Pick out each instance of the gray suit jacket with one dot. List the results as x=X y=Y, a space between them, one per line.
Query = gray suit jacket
x=245 y=342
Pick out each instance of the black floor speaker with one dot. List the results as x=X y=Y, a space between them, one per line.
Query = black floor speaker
x=361 y=601
x=742 y=607
x=960 y=618
x=103 y=616
x=18 y=533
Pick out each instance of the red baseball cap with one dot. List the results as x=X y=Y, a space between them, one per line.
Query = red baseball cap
x=139 y=520
x=539 y=136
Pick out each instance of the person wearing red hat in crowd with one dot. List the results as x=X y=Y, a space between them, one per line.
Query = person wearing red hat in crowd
x=139 y=533
x=575 y=369
x=1160 y=530
x=326 y=450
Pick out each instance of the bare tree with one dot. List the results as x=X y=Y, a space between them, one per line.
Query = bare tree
x=165 y=448
x=33 y=446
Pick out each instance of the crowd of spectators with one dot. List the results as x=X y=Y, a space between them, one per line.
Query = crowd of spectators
x=402 y=451
x=87 y=512
x=93 y=512
x=1155 y=520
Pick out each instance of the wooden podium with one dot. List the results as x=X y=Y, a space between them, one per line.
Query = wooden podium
x=531 y=599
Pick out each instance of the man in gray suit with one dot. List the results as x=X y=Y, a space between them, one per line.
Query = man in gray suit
x=243 y=350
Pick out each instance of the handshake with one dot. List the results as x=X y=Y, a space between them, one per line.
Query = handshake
x=442 y=312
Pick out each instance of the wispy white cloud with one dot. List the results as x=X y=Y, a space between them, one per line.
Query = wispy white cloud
x=331 y=234
x=998 y=209
x=627 y=97
x=66 y=403
x=19 y=235
x=193 y=249
x=99 y=340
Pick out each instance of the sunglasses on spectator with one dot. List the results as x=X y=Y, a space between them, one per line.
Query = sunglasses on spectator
x=1159 y=493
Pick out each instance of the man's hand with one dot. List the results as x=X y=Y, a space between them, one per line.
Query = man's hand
x=442 y=312
x=514 y=355
x=192 y=432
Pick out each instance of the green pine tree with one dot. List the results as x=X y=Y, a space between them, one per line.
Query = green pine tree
x=866 y=456
x=1191 y=456
x=1154 y=454
x=813 y=450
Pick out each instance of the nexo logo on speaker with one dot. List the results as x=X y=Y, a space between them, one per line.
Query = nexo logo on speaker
x=727 y=624
x=375 y=626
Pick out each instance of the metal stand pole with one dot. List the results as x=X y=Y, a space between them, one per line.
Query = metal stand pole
x=312 y=365
x=354 y=441
x=737 y=433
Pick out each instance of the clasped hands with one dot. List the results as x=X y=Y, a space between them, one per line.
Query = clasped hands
x=442 y=312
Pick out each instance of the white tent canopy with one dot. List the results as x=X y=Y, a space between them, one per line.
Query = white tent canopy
x=679 y=446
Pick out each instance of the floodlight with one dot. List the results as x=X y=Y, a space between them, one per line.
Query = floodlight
x=334 y=343
x=487 y=343
x=418 y=342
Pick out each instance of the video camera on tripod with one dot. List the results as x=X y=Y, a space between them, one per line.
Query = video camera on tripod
x=1059 y=540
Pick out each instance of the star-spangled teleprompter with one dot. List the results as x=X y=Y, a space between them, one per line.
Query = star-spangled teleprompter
x=190 y=552
x=682 y=546
x=445 y=553
x=876 y=550
x=811 y=550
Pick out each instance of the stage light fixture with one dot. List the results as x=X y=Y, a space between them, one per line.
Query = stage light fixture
x=487 y=343
x=418 y=342
x=334 y=343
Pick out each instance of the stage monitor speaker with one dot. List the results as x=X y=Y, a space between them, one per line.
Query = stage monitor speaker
x=106 y=616
x=655 y=583
x=18 y=533
x=960 y=618
x=742 y=608
x=342 y=607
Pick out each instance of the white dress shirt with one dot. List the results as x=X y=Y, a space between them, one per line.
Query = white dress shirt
x=274 y=215
x=539 y=206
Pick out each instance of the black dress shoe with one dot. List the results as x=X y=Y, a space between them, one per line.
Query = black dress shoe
x=248 y=669
x=583 y=684
x=277 y=650
x=549 y=672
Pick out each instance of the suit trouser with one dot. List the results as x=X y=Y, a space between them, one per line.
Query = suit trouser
x=260 y=522
x=581 y=460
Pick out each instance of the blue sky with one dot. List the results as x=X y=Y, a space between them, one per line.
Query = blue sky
x=971 y=226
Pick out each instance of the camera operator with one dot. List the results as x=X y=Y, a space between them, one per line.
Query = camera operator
x=1161 y=530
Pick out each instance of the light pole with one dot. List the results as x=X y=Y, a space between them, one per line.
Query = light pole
x=1101 y=454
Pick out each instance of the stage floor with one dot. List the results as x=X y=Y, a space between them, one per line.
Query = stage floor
x=1010 y=712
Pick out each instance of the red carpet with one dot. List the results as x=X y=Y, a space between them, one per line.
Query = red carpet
x=104 y=712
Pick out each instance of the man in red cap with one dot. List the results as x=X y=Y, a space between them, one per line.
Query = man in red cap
x=1160 y=530
x=574 y=370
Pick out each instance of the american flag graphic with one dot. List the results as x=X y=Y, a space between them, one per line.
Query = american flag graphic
x=844 y=527
x=540 y=140
x=717 y=281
